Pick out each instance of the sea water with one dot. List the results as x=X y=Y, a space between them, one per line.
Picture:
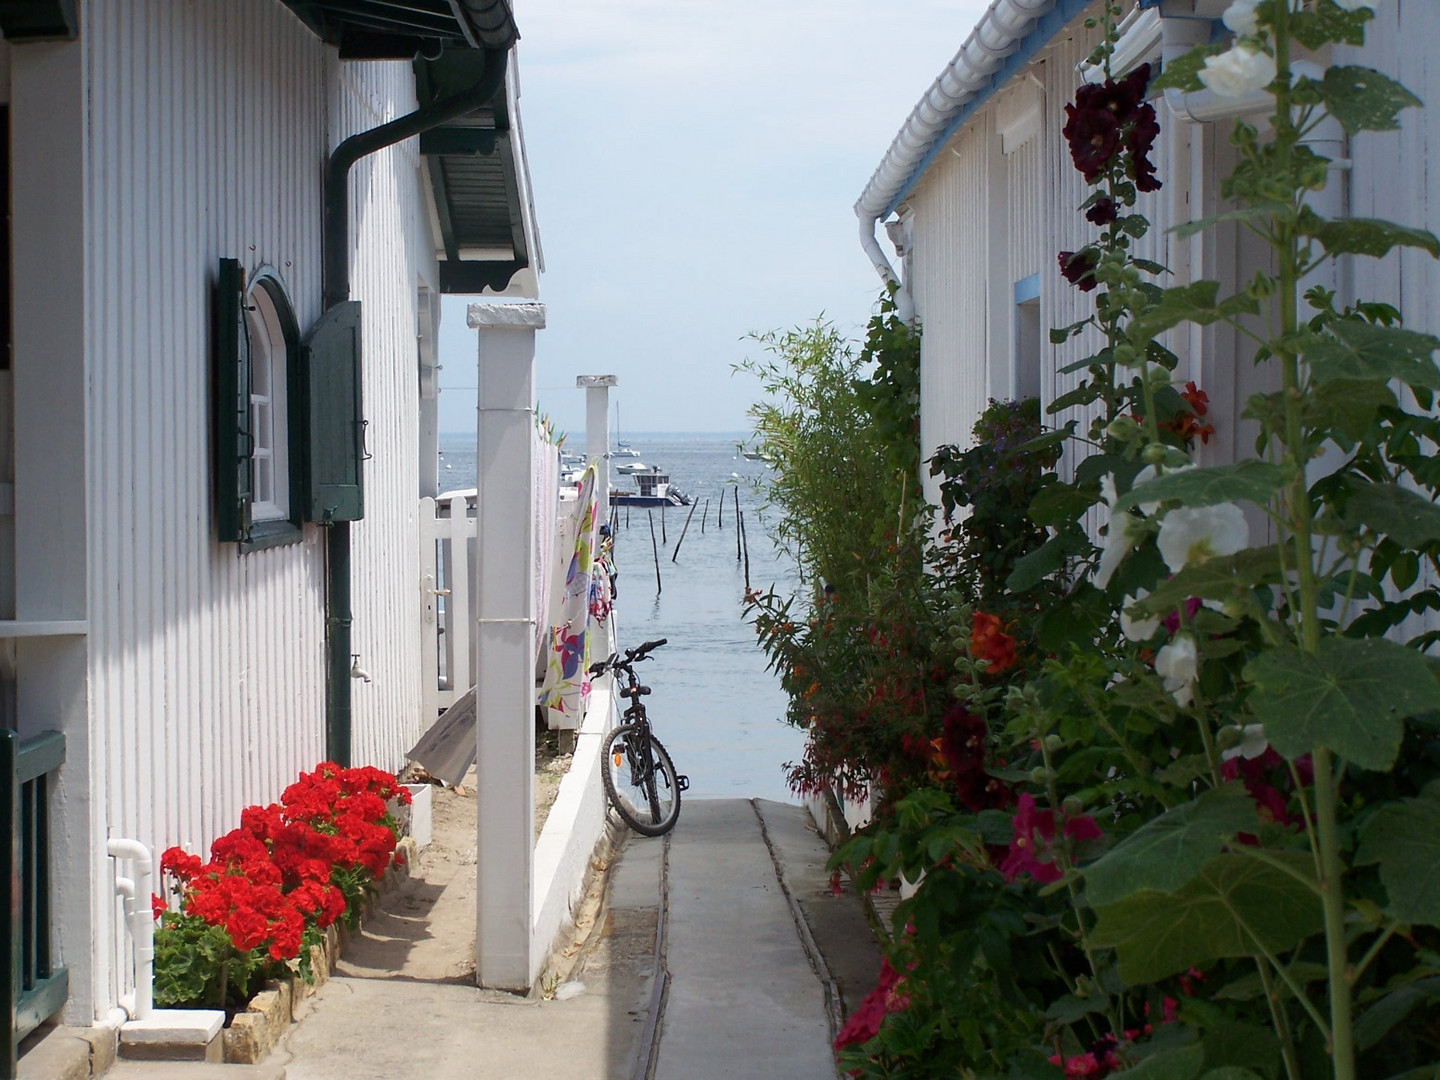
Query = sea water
x=714 y=705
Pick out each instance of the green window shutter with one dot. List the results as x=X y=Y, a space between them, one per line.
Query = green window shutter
x=334 y=417
x=230 y=406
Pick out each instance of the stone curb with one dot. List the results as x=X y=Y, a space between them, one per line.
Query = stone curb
x=252 y=1034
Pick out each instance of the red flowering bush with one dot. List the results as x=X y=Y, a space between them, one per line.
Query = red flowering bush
x=291 y=869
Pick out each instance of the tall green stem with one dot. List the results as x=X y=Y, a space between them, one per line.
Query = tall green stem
x=1301 y=514
x=1332 y=896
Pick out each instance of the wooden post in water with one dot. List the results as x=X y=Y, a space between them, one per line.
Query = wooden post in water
x=745 y=543
x=720 y=514
x=663 y=538
x=703 y=516
x=653 y=547
x=737 y=522
x=675 y=554
x=627 y=515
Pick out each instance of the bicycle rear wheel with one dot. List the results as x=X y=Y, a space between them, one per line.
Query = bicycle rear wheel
x=642 y=787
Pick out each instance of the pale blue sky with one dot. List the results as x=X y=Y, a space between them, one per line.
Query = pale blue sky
x=695 y=163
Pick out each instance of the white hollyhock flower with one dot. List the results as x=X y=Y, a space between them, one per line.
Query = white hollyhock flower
x=1178 y=665
x=1238 y=72
x=1120 y=537
x=1137 y=629
x=1191 y=536
x=1252 y=743
x=1240 y=18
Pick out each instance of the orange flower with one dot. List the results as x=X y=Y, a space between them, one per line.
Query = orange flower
x=988 y=641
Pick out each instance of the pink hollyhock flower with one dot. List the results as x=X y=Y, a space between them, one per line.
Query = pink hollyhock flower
x=1031 y=848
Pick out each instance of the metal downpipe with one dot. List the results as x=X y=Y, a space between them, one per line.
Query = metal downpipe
x=335 y=279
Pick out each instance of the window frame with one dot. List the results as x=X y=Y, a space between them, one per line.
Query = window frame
x=287 y=526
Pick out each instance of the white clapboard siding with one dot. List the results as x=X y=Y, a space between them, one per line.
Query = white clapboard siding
x=1394 y=178
x=386 y=214
x=210 y=121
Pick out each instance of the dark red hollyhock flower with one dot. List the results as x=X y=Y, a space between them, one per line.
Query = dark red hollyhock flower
x=1094 y=137
x=1139 y=140
x=1078 y=268
x=1102 y=212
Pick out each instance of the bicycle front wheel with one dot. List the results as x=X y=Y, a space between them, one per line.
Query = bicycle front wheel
x=640 y=780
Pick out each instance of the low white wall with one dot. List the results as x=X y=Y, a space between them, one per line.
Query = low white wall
x=574 y=827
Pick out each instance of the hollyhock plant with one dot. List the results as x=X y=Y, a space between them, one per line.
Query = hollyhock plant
x=1193 y=535
x=1032 y=846
x=1078 y=268
x=990 y=643
x=1238 y=72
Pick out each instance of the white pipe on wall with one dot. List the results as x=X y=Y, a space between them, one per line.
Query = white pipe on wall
x=136 y=892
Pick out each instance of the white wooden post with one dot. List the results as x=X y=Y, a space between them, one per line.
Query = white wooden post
x=597 y=435
x=505 y=956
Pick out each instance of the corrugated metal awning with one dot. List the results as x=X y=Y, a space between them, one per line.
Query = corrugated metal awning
x=403 y=29
x=474 y=179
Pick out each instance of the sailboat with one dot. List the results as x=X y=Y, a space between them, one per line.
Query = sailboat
x=621 y=449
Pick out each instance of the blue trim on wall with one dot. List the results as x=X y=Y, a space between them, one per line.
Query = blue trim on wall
x=1151 y=3
x=1045 y=29
x=1027 y=289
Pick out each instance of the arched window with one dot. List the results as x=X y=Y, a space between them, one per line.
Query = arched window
x=256 y=404
x=269 y=404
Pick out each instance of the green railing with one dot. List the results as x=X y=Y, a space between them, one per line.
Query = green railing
x=36 y=988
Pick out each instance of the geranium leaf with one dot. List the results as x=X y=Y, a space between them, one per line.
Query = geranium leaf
x=1220 y=578
x=1198 y=303
x=1236 y=905
x=1329 y=23
x=1352 y=696
x=1361 y=350
x=1169 y=850
x=1408 y=518
x=1250 y=479
x=1363 y=99
x=1404 y=838
x=1372 y=237
x=1181 y=1063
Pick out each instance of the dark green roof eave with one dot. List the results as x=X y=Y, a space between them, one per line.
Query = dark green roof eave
x=402 y=29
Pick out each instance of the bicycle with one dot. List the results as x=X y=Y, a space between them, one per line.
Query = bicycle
x=639 y=777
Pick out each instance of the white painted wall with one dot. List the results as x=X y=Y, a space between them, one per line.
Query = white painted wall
x=171 y=135
x=992 y=210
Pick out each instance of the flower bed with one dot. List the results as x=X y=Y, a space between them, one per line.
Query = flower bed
x=271 y=900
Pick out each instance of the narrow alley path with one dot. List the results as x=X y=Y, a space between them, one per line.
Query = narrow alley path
x=743 y=992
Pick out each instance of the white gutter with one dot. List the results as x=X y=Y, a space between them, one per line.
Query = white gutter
x=994 y=38
x=1203 y=106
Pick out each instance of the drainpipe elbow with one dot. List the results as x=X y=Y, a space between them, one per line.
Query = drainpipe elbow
x=904 y=303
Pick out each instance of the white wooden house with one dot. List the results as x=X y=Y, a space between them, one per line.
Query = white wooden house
x=979 y=193
x=212 y=458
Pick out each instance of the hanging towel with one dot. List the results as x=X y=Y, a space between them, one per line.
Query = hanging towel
x=566 y=690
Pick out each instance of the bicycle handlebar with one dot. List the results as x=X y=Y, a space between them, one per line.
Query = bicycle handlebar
x=631 y=656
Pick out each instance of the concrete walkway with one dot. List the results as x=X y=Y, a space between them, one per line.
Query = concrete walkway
x=758 y=960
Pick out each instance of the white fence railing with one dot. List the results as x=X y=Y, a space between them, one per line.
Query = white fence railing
x=447 y=556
